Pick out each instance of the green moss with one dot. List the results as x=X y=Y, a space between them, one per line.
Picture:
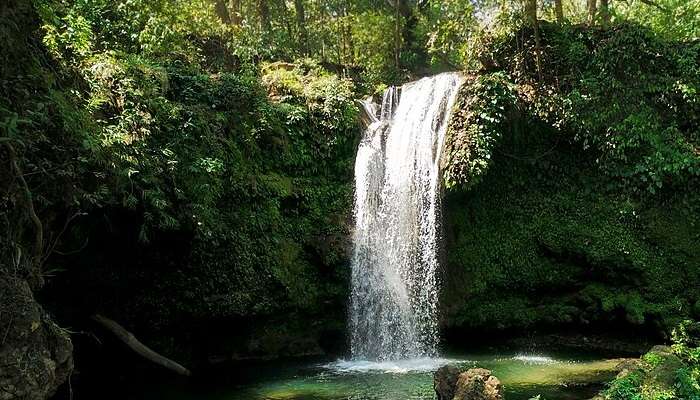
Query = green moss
x=661 y=375
x=544 y=241
x=562 y=222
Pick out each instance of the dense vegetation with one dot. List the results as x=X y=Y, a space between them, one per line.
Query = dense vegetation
x=663 y=372
x=589 y=174
x=183 y=165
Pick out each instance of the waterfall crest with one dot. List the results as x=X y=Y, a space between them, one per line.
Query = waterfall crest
x=393 y=305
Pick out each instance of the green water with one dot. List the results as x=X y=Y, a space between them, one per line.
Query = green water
x=555 y=378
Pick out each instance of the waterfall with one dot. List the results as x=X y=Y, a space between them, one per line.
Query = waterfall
x=393 y=305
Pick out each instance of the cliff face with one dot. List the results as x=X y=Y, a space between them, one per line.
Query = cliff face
x=572 y=196
x=543 y=244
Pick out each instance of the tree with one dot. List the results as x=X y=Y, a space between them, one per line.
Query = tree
x=397 y=34
x=235 y=12
x=559 y=10
x=301 y=26
x=604 y=12
x=264 y=15
x=592 y=10
x=531 y=14
x=222 y=11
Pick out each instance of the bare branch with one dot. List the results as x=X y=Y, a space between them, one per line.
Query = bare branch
x=38 y=226
x=52 y=247
x=134 y=344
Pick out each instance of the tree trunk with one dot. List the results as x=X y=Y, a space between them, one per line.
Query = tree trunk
x=348 y=33
x=134 y=344
x=264 y=14
x=282 y=4
x=592 y=11
x=222 y=11
x=409 y=23
x=397 y=35
x=559 y=10
x=604 y=12
x=301 y=26
x=531 y=12
x=235 y=12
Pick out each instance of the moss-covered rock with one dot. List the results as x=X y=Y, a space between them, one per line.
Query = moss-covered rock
x=35 y=354
x=659 y=374
x=544 y=244
x=560 y=224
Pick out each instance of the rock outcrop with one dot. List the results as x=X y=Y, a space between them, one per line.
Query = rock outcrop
x=474 y=384
x=655 y=373
x=36 y=356
x=445 y=381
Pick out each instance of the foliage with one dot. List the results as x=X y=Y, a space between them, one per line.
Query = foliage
x=582 y=184
x=627 y=388
x=646 y=134
x=645 y=137
x=184 y=145
x=448 y=27
x=484 y=106
x=538 y=243
x=193 y=162
x=672 y=19
x=37 y=116
x=161 y=28
x=686 y=344
x=651 y=380
x=371 y=34
x=173 y=187
x=387 y=41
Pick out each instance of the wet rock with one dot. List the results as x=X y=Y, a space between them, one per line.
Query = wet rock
x=451 y=383
x=478 y=384
x=36 y=356
x=445 y=381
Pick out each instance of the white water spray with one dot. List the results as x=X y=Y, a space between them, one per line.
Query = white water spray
x=393 y=307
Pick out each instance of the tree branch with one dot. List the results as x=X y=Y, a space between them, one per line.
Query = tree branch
x=654 y=4
x=38 y=226
x=134 y=344
x=52 y=247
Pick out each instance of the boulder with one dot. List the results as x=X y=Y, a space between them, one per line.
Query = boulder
x=445 y=381
x=657 y=371
x=36 y=356
x=451 y=383
x=478 y=384
x=665 y=369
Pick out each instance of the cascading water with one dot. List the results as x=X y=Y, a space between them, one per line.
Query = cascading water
x=393 y=306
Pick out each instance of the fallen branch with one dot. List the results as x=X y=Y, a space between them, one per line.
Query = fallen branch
x=134 y=344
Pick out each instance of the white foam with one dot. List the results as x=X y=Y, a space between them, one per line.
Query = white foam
x=534 y=359
x=393 y=367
